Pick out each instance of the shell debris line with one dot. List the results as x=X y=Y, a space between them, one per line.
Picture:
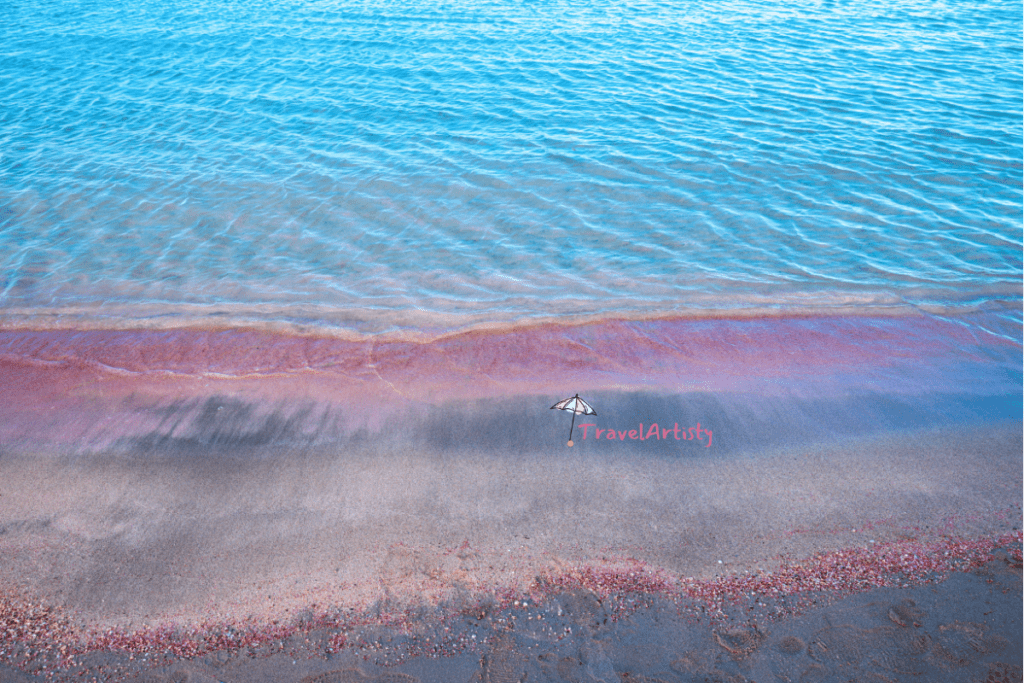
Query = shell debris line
x=42 y=640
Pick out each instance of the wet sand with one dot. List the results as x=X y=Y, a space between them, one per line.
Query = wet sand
x=144 y=540
x=296 y=505
x=134 y=543
x=945 y=612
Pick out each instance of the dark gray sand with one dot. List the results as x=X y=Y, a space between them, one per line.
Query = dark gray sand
x=964 y=629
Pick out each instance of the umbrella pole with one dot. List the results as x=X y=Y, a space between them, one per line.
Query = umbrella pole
x=571 y=426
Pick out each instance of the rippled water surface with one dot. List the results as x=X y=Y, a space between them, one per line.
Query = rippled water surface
x=379 y=165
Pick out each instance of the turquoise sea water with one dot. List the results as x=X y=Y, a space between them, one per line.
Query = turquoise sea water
x=380 y=166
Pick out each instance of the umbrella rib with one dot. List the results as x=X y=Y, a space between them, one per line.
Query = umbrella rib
x=578 y=407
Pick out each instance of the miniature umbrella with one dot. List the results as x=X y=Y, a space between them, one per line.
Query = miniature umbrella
x=578 y=407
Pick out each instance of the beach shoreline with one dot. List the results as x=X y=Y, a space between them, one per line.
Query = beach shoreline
x=914 y=608
x=145 y=548
x=192 y=482
x=294 y=298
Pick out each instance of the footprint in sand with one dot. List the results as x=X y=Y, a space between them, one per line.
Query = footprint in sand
x=694 y=663
x=701 y=664
x=842 y=646
x=906 y=613
x=740 y=642
x=959 y=644
x=898 y=650
x=892 y=648
x=899 y=646
x=791 y=645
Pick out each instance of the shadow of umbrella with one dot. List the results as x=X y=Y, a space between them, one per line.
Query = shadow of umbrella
x=578 y=407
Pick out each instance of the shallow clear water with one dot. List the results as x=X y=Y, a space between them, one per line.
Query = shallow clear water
x=374 y=166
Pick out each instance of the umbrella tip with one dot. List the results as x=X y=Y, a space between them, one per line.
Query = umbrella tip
x=570 y=443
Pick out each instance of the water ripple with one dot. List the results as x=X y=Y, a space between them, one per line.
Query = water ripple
x=509 y=158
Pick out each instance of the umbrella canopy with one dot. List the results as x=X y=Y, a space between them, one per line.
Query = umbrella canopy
x=578 y=407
